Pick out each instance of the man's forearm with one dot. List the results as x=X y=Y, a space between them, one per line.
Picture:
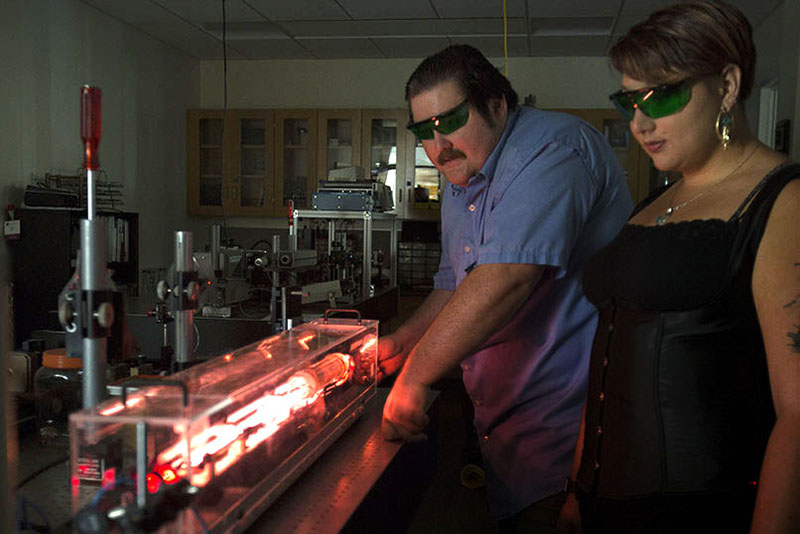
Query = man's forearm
x=410 y=332
x=484 y=302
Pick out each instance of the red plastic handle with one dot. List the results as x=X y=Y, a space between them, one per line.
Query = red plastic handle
x=91 y=125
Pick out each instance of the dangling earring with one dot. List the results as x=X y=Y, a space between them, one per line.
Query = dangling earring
x=724 y=127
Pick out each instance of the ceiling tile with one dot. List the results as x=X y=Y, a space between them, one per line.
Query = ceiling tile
x=413 y=47
x=399 y=28
x=272 y=49
x=493 y=46
x=188 y=39
x=478 y=8
x=575 y=8
x=551 y=26
x=299 y=9
x=403 y=9
x=561 y=46
x=204 y=12
x=341 y=48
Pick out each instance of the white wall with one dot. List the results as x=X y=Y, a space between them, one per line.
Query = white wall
x=778 y=47
x=51 y=49
x=346 y=83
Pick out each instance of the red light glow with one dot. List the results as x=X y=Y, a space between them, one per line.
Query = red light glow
x=303 y=341
x=153 y=482
x=109 y=477
x=221 y=445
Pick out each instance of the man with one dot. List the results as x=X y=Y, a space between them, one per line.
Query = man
x=531 y=196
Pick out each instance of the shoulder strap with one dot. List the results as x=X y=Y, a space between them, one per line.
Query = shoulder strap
x=753 y=220
x=654 y=194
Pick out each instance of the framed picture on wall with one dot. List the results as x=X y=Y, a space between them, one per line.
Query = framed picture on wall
x=782 y=134
x=617 y=133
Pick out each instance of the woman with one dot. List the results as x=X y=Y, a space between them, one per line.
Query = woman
x=692 y=419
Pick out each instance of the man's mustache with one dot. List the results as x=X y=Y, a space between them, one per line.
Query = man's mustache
x=449 y=155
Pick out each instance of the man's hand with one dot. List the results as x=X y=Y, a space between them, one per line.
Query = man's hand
x=391 y=356
x=404 y=412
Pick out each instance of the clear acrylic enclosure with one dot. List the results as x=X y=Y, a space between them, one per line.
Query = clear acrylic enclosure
x=209 y=448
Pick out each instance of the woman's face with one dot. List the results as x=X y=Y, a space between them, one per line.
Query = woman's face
x=684 y=140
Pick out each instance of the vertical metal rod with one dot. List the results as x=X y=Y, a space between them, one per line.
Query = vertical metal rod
x=93 y=278
x=293 y=231
x=90 y=180
x=393 y=252
x=367 y=260
x=184 y=324
x=141 y=464
x=331 y=234
x=284 y=322
x=216 y=240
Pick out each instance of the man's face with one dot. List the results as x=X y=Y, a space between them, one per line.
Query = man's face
x=460 y=154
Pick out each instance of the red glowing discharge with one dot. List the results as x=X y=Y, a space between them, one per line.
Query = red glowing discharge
x=153 y=482
x=91 y=125
x=109 y=477
x=370 y=343
x=303 y=341
x=223 y=443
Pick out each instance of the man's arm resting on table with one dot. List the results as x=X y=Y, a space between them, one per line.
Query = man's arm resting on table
x=484 y=302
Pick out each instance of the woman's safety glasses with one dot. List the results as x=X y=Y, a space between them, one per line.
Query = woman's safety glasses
x=655 y=102
x=446 y=123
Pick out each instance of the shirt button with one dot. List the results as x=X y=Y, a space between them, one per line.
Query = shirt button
x=467 y=249
x=472 y=207
x=602 y=396
x=610 y=327
x=599 y=430
x=605 y=362
x=486 y=439
x=596 y=465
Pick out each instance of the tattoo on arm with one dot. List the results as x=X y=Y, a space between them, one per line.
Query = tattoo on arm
x=794 y=343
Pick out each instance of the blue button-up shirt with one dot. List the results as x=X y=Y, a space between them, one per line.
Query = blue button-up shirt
x=551 y=194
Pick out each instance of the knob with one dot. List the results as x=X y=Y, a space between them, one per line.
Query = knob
x=105 y=315
x=162 y=290
x=192 y=289
x=66 y=313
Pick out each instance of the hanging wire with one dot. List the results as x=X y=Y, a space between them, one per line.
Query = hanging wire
x=505 y=35
x=224 y=118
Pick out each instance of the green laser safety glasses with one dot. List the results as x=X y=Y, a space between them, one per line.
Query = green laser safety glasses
x=655 y=102
x=446 y=123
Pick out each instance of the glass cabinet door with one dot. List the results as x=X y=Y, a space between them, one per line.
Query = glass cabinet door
x=253 y=164
x=340 y=140
x=210 y=183
x=427 y=180
x=297 y=157
x=384 y=148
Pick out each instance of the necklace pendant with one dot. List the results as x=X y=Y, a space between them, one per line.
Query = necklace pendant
x=661 y=219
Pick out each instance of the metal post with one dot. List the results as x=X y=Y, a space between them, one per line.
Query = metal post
x=393 y=252
x=184 y=319
x=93 y=279
x=216 y=241
x=366 y=274
x=141 y=464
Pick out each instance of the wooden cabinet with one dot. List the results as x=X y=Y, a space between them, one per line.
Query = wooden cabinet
x=296 y=171
x=383 y=132
x=256 y=161
x=230 y=163
x=340 y=139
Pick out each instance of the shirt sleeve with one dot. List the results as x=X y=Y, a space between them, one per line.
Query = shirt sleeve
x=537 y=214
x=445 y=277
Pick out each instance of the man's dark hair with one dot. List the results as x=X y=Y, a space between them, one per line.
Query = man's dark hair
x=478 y=79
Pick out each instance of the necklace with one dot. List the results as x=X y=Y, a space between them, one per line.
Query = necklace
x=664 y=217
